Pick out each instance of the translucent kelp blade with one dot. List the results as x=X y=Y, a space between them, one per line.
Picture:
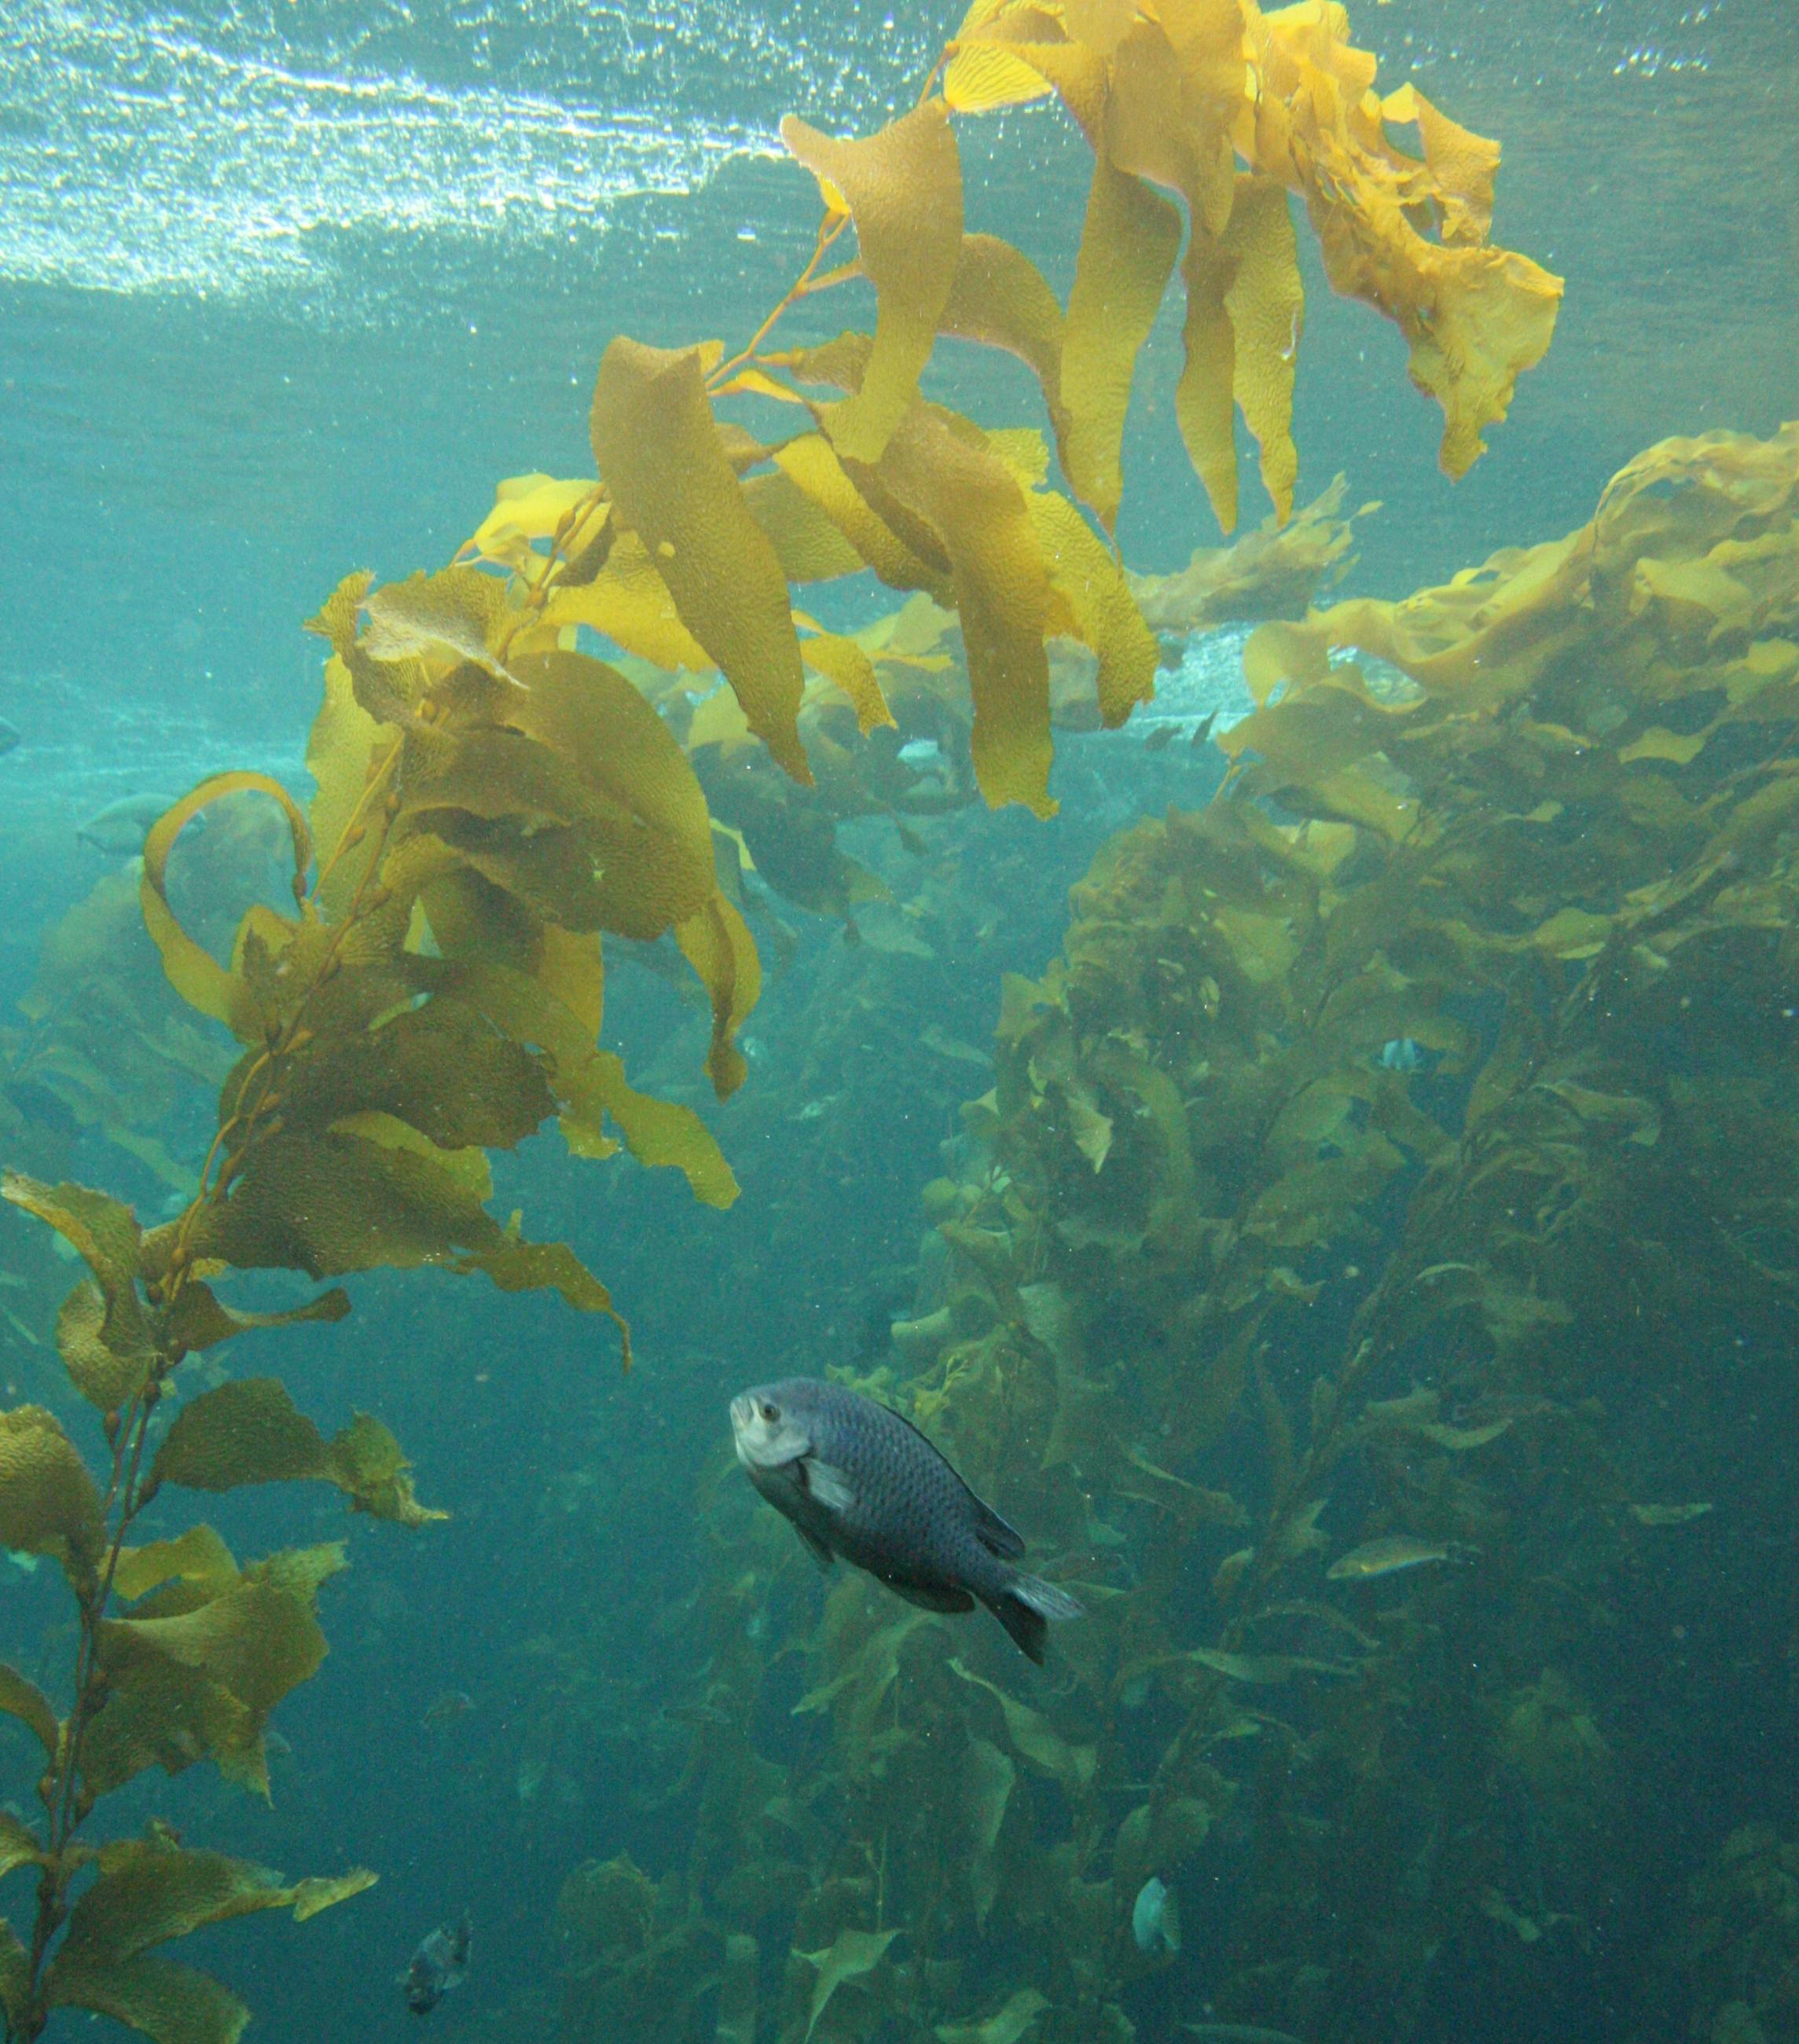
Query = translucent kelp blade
x=195 y=974
x=903 y=188
x=660 y=455
x=1127 y=249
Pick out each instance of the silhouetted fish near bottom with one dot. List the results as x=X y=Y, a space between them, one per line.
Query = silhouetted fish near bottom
x=439 y=1965
x=857 y=1480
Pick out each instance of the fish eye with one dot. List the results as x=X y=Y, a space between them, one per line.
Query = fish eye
x=771 y=1413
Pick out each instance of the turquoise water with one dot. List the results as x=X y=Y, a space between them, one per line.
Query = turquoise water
x=282 y=295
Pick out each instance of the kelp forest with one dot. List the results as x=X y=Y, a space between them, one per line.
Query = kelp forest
x=1360 y=1258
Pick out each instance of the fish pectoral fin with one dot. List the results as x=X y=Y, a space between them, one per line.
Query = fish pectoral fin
x=994 y=1535
x=815 y=1546
x=827 y=1483
x=931 y=1597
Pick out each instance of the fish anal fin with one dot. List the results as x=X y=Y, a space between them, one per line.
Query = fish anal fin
x=932 y=1596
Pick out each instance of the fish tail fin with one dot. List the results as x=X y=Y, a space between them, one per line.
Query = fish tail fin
x=1025 y=1605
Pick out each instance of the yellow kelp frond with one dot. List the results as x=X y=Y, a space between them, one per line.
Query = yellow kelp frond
x=943 y=470
x=903 y=189
x=660 y=456
x=1475 y=316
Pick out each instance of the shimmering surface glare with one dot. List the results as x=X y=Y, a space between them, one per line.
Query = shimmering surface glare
x=237 y=151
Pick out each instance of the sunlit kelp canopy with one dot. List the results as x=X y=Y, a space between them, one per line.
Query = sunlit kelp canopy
x=492 y=800
x=1403 y=1146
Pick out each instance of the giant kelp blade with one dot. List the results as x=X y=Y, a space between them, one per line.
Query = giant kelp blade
x=1001 y=299
x=627 y=602
x=660 y=455
x=717 y=943
x=247 y=1431
x=101 y=1329
x=341 y=755
x=195 y=974
x=369 y=1465
x=171 y=2003
x=663 y=1132
x=1266 y=303
x=1083 y=573
x=1127 y=248
x=148 y=1892
x=48 y=1502
x=950 y=477
x=654 y=834
x=812 y=464
x=198 y=1318
x=26 y=1701
x=852 y=1955
x=903 y=187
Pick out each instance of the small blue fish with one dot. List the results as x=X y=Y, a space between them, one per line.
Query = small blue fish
x=856 y=1480
x=1402 y=1055
x=439 y=1965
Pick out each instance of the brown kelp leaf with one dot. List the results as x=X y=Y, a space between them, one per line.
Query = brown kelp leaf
x=842 y=662
x=170 y=2004
x=15 y=1976
x=340 y=752
x=852 y=1955
x=199 y=1318
x=199 y=1556
x=48 y=1502
x=1082 y=572
x=194 y=1672
x=458 y=614
x=374 y=1192
x=106 y=1374
x=26 y=1702
x=148 y=1892
x=999 y=297
x=1007 y=2025
x=18 y=1847
x=659 y=451
x=718 y=945
x=1266 y=303
x=942 y=468
x=806 y=540
x=665 y=1132
x=527 y=508
x=1127 y=248
x=1034 y=1739
x=653 y=836
x=903 y=188
x=627 y=602
x=195 y=974
x=246 y=1431
x=366 y=1462
x=1203 y=397
x=812 y=464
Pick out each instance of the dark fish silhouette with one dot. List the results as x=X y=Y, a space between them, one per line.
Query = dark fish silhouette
x=120 y=828
x=437 y=1965
x=857 y=1480
x=9 y=736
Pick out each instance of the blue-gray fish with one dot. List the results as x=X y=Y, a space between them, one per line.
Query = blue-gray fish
x=120 y=828
x=9 y=736
x=856 y=1480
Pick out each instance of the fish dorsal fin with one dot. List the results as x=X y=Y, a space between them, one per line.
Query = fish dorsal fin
x=990 y=1530
x=827 y=1483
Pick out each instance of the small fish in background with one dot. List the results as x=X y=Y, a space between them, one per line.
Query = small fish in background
x=1155 y=1918
x=446 y=1706
x=855 y=1479
x=119 y=830
x=439 y=1964
x=1402 y=1055
x=1392 y=1552
x=8 y=736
